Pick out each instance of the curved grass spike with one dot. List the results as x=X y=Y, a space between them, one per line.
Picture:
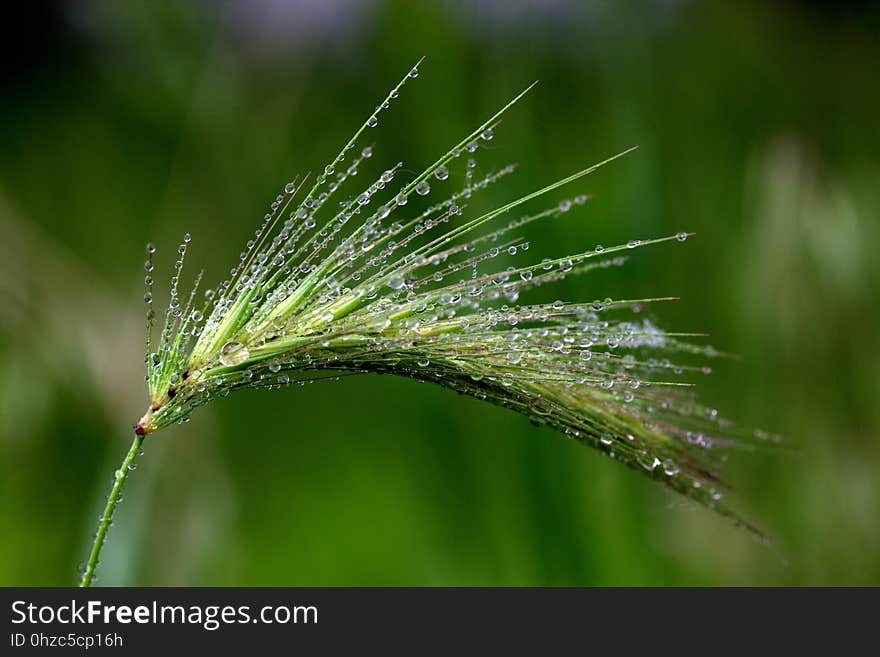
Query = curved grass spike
x=321 y=294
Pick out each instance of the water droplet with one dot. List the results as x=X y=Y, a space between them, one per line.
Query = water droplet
x=274 y=366
x=681 y=237
x=423 y=188
x=514 y=357
x=414 y=73
x=382 y=211
x=487 y=134
x=648 y=461
x=670 y=467
x=401 y=199
x=441 y=173
x=132 y=467
x=150 y=248
x=233 y=353
x=599 y=248
x=148 y=297
x=541 y=406
x=470 y=147
x=372 y=122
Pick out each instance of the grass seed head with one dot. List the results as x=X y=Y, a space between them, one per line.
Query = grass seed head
x=369 y=285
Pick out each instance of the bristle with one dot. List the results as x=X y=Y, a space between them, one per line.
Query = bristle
x=151 y=314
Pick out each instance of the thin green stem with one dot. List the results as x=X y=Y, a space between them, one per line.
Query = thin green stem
x=107 y=516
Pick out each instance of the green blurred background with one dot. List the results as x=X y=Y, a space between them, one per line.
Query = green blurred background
x=757 y=122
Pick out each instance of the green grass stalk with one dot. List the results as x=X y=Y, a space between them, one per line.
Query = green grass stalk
x=106 y=519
